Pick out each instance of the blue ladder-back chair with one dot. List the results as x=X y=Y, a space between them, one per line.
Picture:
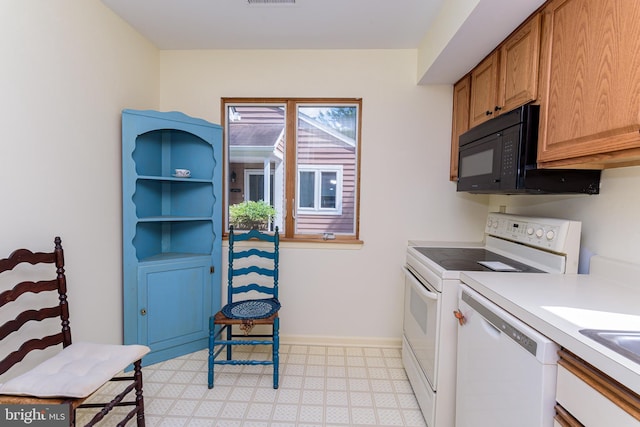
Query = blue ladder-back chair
x=252 y=300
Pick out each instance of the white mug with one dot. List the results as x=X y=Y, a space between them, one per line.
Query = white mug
x=183 y=172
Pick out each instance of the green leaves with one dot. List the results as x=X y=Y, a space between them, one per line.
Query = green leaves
x=250 y=214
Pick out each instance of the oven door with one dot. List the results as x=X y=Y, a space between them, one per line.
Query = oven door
x=479 y=164
x=421 y=317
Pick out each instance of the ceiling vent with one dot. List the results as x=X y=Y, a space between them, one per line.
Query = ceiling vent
x=271 y=1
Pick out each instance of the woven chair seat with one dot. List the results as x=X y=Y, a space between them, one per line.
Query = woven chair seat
x=251 y=309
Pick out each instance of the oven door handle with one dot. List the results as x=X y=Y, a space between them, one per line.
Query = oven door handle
x=419 y=286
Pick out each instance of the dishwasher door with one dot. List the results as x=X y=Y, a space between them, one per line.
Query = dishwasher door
x=506 y=370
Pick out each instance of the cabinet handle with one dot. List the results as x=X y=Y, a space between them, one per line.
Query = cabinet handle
x=143 y=312
x=498 y=108
x=458 y=315
x=488 y=113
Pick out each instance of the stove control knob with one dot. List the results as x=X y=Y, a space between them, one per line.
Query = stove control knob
x=489 y=223
x=539 y=232
x=530 y=231
x=495 y=224
x=550 y=235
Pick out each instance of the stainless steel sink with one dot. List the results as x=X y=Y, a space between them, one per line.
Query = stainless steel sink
x=625 y=343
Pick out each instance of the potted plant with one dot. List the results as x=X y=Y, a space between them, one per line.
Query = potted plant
x=250 y=214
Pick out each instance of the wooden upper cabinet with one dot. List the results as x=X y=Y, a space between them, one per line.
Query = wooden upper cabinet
x=484 y=90
x=461 y=97
x=590 y=84
x=508 y=77
x=504 y=80
x=519 y=64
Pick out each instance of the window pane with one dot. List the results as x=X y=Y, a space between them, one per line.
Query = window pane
x=326 y=142
x=328 y=189
x=307 y=189
x=255 y=148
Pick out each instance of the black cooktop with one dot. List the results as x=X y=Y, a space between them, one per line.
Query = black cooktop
x=466 y=259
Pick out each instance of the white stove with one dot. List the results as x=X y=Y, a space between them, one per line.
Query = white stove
x=512 y=244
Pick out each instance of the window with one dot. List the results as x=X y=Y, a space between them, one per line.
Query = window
x=254 y=185
x=310 y=149
x=320 y=189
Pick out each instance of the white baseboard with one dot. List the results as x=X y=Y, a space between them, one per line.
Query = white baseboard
x=341 y=341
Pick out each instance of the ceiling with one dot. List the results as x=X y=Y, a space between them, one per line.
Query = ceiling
x=307 y=24
x=332 y=24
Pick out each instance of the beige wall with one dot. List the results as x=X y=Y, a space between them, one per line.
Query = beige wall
x=449 y=21
x=68 y=68
x=610 y=220
x=353 y=293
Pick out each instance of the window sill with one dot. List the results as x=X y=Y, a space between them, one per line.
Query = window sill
x=319 y=243
x=315 y=244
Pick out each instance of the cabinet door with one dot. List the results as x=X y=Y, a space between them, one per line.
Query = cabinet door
x=590 y=106
x=174 y=305
x=593 y=398
x=460 y=123
x=565 y=419
x=519 y=60
x=484 y=93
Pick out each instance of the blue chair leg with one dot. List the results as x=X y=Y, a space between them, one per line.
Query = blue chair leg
x=212 y=331
x=229 y=337
x=276 y=352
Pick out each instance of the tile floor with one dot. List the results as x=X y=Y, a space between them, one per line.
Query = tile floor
x=319 y=386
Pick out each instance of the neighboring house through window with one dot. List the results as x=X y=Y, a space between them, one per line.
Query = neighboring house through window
x=320 y=189
x=310 y=150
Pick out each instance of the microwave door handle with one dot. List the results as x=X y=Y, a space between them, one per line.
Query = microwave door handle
x=420 y=287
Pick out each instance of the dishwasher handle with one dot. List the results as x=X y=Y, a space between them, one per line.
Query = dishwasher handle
x=500 y=325
x=458 y=315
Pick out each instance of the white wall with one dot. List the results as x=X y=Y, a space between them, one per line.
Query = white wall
x=464 y=32
x=68 y=69
x=352 y=293
x=610 y=220
x=450 y=19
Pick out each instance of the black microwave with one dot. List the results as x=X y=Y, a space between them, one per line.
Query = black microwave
x=499 y=156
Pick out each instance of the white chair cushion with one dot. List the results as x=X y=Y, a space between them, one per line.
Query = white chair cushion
x=77 y=371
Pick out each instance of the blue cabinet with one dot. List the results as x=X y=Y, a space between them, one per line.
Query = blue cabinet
x=172 y=230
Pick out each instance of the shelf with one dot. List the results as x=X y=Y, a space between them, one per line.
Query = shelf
x=173 y=178
x=156 y=239
x=172 y=256
x=173 y=198
x=166 y=218
x=159 y=152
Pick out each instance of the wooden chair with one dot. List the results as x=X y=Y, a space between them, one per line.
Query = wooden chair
x=252 y=300
x=77 y=370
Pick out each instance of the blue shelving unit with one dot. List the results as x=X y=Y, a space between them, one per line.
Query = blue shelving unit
x=172 y=230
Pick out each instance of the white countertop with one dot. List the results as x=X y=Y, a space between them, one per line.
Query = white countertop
x=558 y=306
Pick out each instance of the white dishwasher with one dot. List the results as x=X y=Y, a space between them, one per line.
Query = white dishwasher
x=506 y=369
